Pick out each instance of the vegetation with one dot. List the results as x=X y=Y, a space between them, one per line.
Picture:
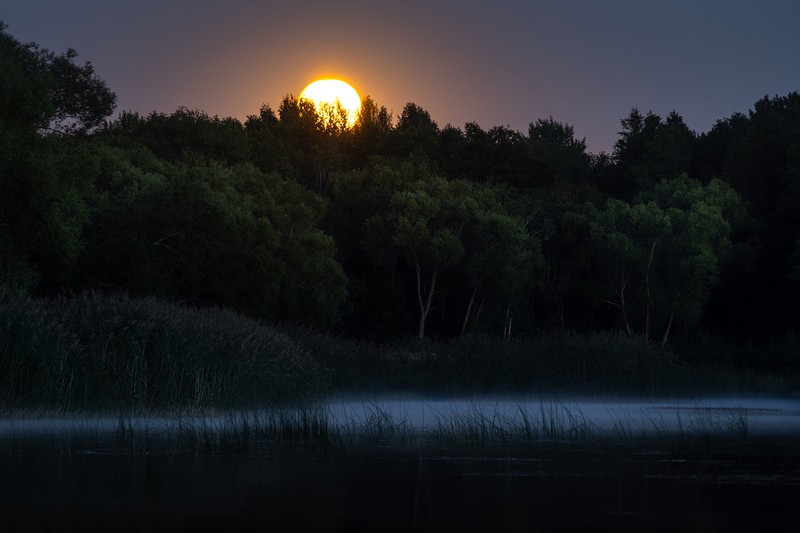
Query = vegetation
x=518 y=430
x=528 y=261
x=93 y=352
x=103 y=353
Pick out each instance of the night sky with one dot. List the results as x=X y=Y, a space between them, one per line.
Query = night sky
x=501 y=62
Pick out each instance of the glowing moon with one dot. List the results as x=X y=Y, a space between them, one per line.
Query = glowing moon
x=327 y=93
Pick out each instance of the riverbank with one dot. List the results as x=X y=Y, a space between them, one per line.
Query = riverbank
x=98 y=353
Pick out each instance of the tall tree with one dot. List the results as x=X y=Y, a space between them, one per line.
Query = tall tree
x=415 y=133
x=45 y=176
x=662 y=254
x=186 y=135
x=371 y=131
x=503 y=259
x=757 y=153
x=651 y=149
x=426 y=224
x=555 y=145
x=262 y=132
x=228 y=236
x=50 y=91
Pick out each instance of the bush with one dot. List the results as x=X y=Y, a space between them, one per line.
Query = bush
x=106 y=352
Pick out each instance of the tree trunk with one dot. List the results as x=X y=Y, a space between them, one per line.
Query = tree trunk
x=424 y=307
x=621 y=294
x=624 y=310
x=647 y=290
x=469 y=310
x=480 y=308
x=557 y=298
x=671 y=317
x=507 y=326
x=323 y=183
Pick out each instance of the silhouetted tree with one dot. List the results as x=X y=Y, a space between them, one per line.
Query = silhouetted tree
x=758 y=154
x=650 y=149
x=415 y=132
x=371 y=131
x=186 y=135
x=555 y=145
x=49 y=91
x=45 y=178
x=264 y=142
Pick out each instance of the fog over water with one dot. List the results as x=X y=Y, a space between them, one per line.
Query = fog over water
x=221 y=472
x=767 y=416
x=419 y=415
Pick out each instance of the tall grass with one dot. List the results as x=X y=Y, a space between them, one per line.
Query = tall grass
x=96 y=352
x=253 y=432
x=371 y=426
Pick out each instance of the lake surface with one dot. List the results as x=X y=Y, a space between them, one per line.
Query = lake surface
x=89 y=475
x=419 y=416
x=762 y=416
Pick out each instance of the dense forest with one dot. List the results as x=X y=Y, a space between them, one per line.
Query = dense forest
x=399 y=227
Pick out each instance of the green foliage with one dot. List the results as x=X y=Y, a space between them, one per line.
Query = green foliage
x=662 y=254
x=424 y=223
x=390 y=229
x=188 y=136
x=44 y=208
x=229 y=236
x=43 y=90
x=441 y=230
x=45 y=181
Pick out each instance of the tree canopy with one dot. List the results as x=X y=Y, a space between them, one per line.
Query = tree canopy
x=400 y=227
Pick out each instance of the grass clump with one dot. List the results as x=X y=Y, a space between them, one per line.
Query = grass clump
x=254 y=432
x=98 y=352
x=551 y=422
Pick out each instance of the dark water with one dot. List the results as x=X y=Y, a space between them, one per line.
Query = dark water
x=762 y=416
x=43 y=488
x=84 y=476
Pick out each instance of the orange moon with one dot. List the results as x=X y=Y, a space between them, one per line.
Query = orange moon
x=327 y=93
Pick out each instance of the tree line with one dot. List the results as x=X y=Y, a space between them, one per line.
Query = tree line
x=398 y=227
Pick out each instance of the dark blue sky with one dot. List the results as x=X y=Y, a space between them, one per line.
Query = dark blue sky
x=501 y=62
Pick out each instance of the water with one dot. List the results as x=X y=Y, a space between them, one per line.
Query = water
x=761 y=416
x=94 y=474
x=419 y=416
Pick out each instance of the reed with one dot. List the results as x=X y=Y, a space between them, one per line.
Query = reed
x=550 y=425
x=95 y=352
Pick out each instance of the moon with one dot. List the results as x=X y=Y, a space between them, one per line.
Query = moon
x=327 y=93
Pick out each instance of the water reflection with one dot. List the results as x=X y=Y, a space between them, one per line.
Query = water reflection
x=43 y=488
x=136 y=474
